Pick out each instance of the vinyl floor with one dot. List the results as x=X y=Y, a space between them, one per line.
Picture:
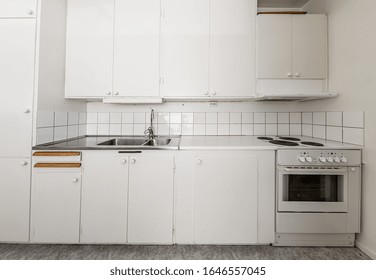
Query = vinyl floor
x=177 y=252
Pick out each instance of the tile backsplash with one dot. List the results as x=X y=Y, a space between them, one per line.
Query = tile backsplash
x=338 y=126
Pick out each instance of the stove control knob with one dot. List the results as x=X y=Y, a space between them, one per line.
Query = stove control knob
x=337 y=159
x=309 y=159
x=302 y=159
x=322 y=159
x=330 y=159
x=344 y=159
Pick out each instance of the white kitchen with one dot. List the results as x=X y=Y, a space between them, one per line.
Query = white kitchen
x=187 y=130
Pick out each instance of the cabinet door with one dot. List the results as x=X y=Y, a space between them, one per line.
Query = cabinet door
x=150 y=211
x=232 y=48
x=104 y=198
x=225 y=204
x=309 y=46
x=17 y=55
x=137 y=42
x=274 y=46
x=18 y=8
x=89 y=59
x=185 y=48
x=14 y=199
x=55 y=207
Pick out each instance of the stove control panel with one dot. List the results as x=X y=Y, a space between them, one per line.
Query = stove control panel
x=319 y=157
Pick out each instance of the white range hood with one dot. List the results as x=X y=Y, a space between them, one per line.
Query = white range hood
x=295 y=96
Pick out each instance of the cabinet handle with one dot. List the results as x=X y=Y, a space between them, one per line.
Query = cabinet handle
x=133 y=160
x=117 y=93
x=30 y=12
x=297 y=74
x=123 y=161
x=108 y=93
x=206 y=93
x=214 y=93
x=74 y=180
x=289 y=74
x=23 y=163
x=26 y=111
x=199 y=162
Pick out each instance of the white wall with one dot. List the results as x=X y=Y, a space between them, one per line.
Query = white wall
x=352 y=73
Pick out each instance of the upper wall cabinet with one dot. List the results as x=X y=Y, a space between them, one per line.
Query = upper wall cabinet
x=292 y=46
x=18 y=8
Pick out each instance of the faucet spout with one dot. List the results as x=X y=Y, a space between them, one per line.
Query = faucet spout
x=150 y=131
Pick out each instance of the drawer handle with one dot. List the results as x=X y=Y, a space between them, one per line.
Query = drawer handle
x=57 y=165
x=75 y=180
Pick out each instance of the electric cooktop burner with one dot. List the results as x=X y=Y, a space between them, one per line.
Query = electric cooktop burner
x=313 y=144
x=289 y=138
x=284 y=143
x=265 y=138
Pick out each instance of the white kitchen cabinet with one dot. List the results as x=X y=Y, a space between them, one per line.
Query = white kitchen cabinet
x=292 y=46
x=18 y=8
x=55 y=206
x=89 y=54
x=232 y=48
x=137 y=48
x=17 y=55
x=185 y=46
x=14 y=199
x=151 y=192
x=104 y=197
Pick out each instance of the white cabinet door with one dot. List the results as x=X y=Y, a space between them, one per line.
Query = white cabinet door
x=137 y=42
x=18 y=8
x=14 y=199
x=55 y=207
x=225 y=204
x=17 y=55
x=309 y=46
x=104 y=198
x=233 y=48
x=274 y=47
x=150 y=211
x=185 y=48
x=89 y=59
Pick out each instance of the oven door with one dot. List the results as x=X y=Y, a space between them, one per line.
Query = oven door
x=312 y=189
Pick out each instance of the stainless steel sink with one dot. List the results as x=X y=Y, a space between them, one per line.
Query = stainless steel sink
x=158 y=142
x=139 y=143
x=124 y=142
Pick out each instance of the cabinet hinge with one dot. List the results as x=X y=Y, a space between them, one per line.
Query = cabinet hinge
x=162 y=13
x=161 y=80
x=174 y=167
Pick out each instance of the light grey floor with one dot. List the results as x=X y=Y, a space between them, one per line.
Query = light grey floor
x=86 y=252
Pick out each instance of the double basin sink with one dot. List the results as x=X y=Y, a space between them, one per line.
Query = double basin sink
x=157 y=142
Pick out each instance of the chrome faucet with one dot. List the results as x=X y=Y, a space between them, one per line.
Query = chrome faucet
x=149 y=133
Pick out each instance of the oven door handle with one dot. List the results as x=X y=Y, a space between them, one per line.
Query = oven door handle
x=316 y=171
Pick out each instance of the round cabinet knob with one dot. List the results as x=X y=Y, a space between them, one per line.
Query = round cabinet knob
x=322 y=159
x=133 y=160
x=206 y=93
x=289 y=74
x=302 y=159
x=309 y=159
x=108 y=93
x=297 y=74
x=330 y=159
x=117 y=93
x=337 y=159
x=26 y=111
x=74 y=180
x=199 y=162
x=353 y=169
x=123 y=161
x=23 y=163
x=214 y=93
x=344 y=159
x=30 y=12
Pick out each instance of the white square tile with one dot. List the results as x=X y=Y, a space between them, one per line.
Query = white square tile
x=82 y=128
x=60 y=133
x=73 y=118
x=139 y=129
x=284 y=118
x=211 y=118
x=163 y=118
x=295 y=129
x=307 y=130
x=187 y=118
x=224 y=118
x=175 y=129
x=271 y=129
x=247 y=118
x=187 y=129
x=271 y=117
x=127 y=129
x=236 y=129
x=104 y=129
x=92 y=129
x=61 y=118
x=211 y=129
x=223 y=129
x=283 y=129
x=45 y=135
x=334 y=133
x=353 y=119
x=73 y=131
x=319 y=131
x=103 y=118
x=115 y=129
x=296 y=118
x=259 y=129
x=319 y=118
x=235 y=118
x=163 y=129
x=334 y=118
x=259 y=118
x=45 y=119
x=92 y=118
x=139 y=118
x=175 y=118
x=82 y=118
x=199 y=129
x=353 y=136
x=127 y=118
x=247 y=129
x=307 y=118
x=115 y=118
x=199 y=118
